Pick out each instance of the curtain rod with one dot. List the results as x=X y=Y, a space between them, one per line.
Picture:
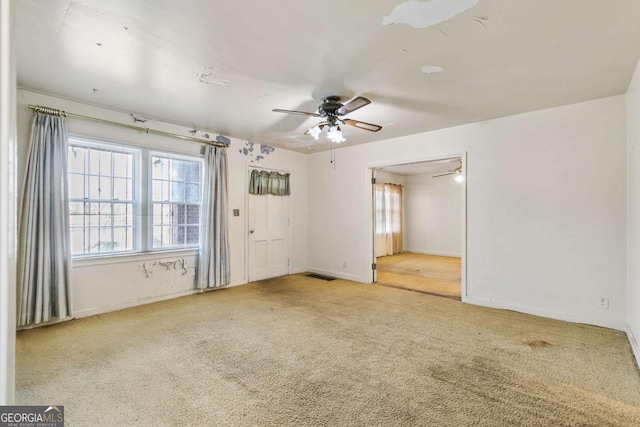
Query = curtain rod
x=55 y=112
x=269 y=169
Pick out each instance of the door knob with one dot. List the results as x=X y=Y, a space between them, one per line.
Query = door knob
x=251 y=231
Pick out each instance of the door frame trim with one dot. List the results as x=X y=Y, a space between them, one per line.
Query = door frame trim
x=371 y=275
x=247 y=259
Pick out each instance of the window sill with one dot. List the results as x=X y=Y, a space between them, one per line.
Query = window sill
x=86 y=261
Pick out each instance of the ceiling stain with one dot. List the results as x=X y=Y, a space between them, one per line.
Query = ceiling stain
x=420 y=14
x=431 y=69
x=208 y=77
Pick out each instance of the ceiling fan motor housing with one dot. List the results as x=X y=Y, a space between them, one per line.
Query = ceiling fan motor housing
x=330 y=106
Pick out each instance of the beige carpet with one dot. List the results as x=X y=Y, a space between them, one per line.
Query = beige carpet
x=304 y=352
x=438 y=275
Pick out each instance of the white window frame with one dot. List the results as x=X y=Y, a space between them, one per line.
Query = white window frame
x=149 y=195
x=142 y=189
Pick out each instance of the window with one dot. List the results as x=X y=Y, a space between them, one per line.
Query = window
x=124 y=199
x=176 y=202
x=101 y=200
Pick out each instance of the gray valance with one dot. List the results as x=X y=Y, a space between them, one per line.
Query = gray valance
x=265 y=182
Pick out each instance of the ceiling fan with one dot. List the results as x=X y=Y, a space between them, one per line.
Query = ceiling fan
x=457 y=173
x=332 y=111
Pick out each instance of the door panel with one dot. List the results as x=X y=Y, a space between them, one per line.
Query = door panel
x=268 y=236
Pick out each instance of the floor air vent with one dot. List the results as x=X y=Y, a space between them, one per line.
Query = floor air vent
x=321 y=277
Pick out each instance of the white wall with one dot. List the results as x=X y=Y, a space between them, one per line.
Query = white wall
x=546 y=204
x=433 y=215
x=389 y=178
x=106 y=284
x=7 y=203
x=633 y=212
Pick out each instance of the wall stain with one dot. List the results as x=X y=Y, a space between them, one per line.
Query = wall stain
x=248 y=150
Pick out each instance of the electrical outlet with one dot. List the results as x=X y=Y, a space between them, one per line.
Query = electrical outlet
x=603 y=303
x=344 y=264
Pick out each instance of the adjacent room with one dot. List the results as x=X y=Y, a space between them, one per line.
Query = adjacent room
x=389 y=213
x=419 y=228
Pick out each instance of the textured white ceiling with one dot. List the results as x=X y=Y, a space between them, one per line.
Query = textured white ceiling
x=222 y=66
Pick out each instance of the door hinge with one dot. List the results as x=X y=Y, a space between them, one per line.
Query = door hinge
x=373 y=180
x=374 y=266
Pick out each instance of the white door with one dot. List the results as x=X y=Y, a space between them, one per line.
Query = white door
x=268 y=236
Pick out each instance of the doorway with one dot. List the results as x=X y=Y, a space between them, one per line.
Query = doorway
x=268 y=241
x=426 y=251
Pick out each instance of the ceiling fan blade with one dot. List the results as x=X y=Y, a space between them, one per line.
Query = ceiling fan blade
x=444 y=174
x=362 y=125
x=302 y=113
x=353 y=105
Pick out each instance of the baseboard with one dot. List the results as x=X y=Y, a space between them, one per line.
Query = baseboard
x=335 y=274
x=634 y=344
x=619 y=326
x=128 y=304
x=299 y=270
x=419 y=251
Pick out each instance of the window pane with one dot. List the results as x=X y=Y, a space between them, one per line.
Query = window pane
x=77 y=158
x=193 y=214
x=161 y=191
x=94 y=187
x=192 y=193
x=177 y=191
x=106 y=243
x=105 y=163
x=193 y=235
x=177 y=170
x=94 y=162
x=178 y=235
x=192 y=171
x=76 y=220
x=93 y=213
x=177 y=216
x=160 y=237
x=160 y=168
x=121 y=240
x=76 y=186
x=121 y=166
x=121 y=189
x=105 y=188
x=94 y=239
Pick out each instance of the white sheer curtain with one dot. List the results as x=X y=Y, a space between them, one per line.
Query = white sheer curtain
x=44 y=254
x=388 y=219
x=213 y=262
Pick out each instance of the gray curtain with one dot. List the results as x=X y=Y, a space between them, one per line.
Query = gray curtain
x=44 y=254
x=265 y=182
x=213 y=262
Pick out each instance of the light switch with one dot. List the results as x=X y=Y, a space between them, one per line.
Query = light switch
x=236 y=212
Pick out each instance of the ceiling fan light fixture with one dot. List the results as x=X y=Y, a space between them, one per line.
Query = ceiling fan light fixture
x=335 y=134
x=315 y=132
x=458 y=177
